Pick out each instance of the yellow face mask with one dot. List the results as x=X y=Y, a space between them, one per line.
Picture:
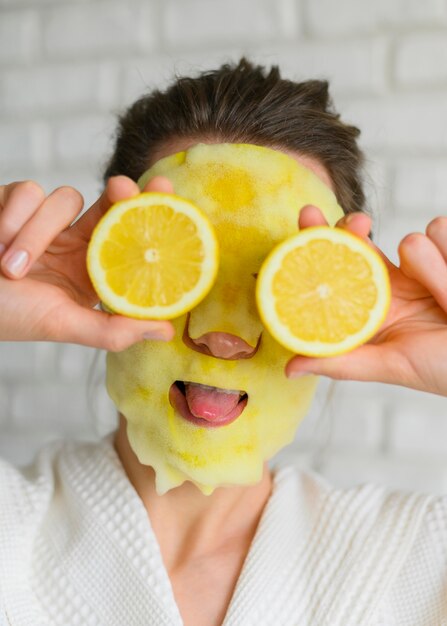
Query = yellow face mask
x=253 y=196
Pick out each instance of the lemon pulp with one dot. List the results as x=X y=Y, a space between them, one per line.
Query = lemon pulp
x=323 y=292
x=153 y=256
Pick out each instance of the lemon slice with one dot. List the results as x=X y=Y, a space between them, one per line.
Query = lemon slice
x=153 y=256
x=323 y=292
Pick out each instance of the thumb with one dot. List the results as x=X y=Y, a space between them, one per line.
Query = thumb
x=366 y=363
x=106 y=331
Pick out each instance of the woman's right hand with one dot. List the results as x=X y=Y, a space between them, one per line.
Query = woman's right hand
x=45 y=291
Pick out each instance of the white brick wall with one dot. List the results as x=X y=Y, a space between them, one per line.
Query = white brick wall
x=103 y=27
x=190 y=21
x=67 y=66
x=19 y=36
x=421 y=59
x=57 y=88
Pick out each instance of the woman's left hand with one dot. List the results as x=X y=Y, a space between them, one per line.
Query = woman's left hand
x=410 y=348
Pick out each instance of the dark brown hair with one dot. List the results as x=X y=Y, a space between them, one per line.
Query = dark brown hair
x=243 y=103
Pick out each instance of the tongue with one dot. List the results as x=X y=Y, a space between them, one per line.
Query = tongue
x=210 y=403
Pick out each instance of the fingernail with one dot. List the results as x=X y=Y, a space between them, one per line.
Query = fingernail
x=156 y=336
x=17 y=262
x=349 y=218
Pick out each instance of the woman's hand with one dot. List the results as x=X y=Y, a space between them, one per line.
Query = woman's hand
x=411 y=346
x=45 y=291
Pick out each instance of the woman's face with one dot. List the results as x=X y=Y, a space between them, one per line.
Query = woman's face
x=214 y=404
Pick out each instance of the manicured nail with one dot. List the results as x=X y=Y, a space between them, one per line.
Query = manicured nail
x=17 y=262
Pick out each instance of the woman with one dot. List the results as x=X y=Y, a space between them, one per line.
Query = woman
x=85 y=537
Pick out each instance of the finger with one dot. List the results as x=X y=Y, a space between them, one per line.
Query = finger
x=54 y=215
x=117 y=188
x=6 y=190
x=437 y=232
x=159 y=183
x=311 y=216
x=365 y=363
x=421 y=260
x=19 y=201
x=358 y=224
x=114 y=333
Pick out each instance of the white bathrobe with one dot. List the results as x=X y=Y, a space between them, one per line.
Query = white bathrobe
x=77 y=548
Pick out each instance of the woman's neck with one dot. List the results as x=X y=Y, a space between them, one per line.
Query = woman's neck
x=188 y=524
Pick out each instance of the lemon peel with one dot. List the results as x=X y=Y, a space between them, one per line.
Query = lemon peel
x=153 y=256
x=323 y=292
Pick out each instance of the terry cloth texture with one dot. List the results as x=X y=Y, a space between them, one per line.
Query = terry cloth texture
x=77 y=548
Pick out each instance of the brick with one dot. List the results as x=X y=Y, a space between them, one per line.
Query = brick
x=51 y=406
x=19 y=36
x=142 y=75
x=25 y=145
x=26 y=361
x=101 y=415
x=377 y=185
x=329 y=61
x=357 y=422
x=324 y=17
x=20 y=447
x=41 y=149
x=73 y=362
x=100 y=27
x=4 y=404
x=29 y=3
x=420 y=186
x=15 y=145
x=421 y=474
x=343 y=416
x=102 y=412
x=300 y=61
x=48 y=89
x=419 y=427
x=24 y=148
x=289 y=19
x=313 y=428
x=195 y=23
x=421 y=60
x=404 y=13
x=397 y=123
x=85 y=139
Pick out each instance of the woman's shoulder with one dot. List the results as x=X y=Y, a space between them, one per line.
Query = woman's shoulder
x=375 y=513
x=387 y=546
x=365 y=510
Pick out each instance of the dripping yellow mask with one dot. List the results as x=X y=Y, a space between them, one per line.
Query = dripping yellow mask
x=253 y=196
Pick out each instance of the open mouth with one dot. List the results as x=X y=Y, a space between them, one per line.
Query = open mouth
x=207 y=406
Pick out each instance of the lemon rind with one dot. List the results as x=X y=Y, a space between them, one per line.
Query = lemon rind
x=119 y=304
x=266 y=301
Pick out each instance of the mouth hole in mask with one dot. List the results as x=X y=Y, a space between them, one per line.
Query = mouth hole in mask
x=180 y=384
x=207 y=406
